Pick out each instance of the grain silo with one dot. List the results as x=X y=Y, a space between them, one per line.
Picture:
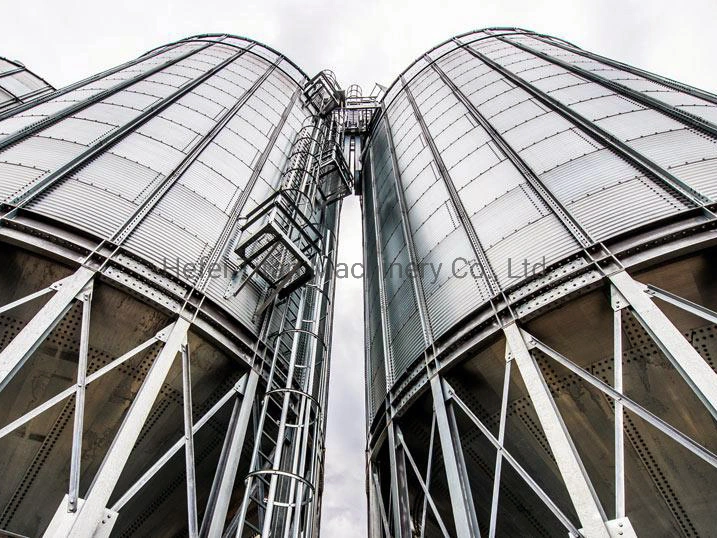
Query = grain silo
x=167 y=233
x=539 y=228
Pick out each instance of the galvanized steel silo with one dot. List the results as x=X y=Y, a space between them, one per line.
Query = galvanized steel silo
x=182 y=204
x=546 y=366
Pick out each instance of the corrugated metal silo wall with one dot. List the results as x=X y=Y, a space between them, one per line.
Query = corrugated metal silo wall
x=162 y=154
x=450 y=118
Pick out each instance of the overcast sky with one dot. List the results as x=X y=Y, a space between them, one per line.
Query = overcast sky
x=363 y=41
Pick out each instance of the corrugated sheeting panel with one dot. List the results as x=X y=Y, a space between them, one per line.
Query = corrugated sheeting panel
x=402 y=309
x=707 y=112
x=535 y=130
x=15 y=123
x=676 y=147
x=490 y=223
x=117 y=175
x=375 y=364
x=601 y=107
x=473 y=165
x=556 y=150
x=582 y=92
x=226 y=164
x=454 y=124
x=148 y=152
x=40 y=152
x=449 y=297
x=546 y=240
x=77 y=130
x=163 y=243
x=44 y=109
x=192 y=213
x=586 y=175
x=91 y=209
x=207 y=183
x=201 y=104
x=622 y=207
x=637 y=124
x=515 y=115
x=434 y=228
x=173 y=134
x=189 y=118
x=107 y=113
x=131 y=99
x=21 y=83
x=701 y=176
x=14 y=177
x=490 y=185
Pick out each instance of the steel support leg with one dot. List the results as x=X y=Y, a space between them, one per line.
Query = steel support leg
x=690 y=364
x=90 y=514
x=501 y=442
x=79 y=420
x=374 y=510
x=218 y=504
x=376 y=486
x=399 y=487
x=459 y=488
x=571 y=468
x=34 y=333
x=618 y=303
x=190 y=473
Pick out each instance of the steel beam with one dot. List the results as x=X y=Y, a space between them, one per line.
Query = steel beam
x=513 y=462
x=176 y=447
x=574 y=476
x=501 y=442
x=618 y=303
x=399 y=487
x=78 y=425
x=424 y=487
x=676 y=435
x=39 y=327
x=190 y=473
x=90 y=515
x=374 y=510
x=379 y=498
x=692 y=367
x=684 y=304
x=459 y=489
x=223 y=485
x=429 y=469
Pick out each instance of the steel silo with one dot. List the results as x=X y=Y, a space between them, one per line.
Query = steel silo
x=18 y=84
x=545 y=366
x=168 y=232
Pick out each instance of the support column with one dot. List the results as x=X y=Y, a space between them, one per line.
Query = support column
x=618 y=303
x=501 y=442
x=90 y=514
x=577 y=482
x=374 y=509
x=191 y=480
x=39 y=327
x=79 y=420
x=218 y=504
x=690 y=364
x=459 y=489
x=399 y=487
